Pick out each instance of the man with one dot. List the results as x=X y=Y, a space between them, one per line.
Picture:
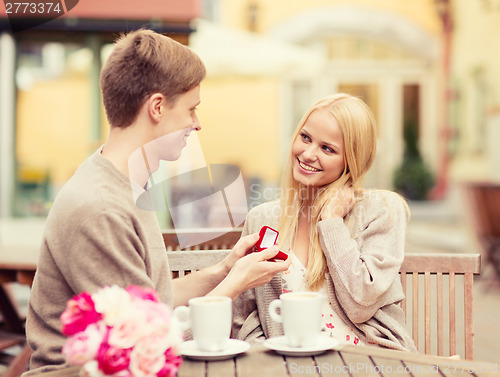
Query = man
x=95 y=233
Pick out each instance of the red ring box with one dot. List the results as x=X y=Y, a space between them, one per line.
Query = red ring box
x=267 y=238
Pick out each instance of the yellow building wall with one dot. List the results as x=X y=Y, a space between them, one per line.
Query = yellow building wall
x=240 y=125
x=238 y=116
x=53 y=120
x=476 y=44
x=273 y=12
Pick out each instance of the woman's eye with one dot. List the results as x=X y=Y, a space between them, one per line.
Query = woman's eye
x=305 y=137
x=328 y=149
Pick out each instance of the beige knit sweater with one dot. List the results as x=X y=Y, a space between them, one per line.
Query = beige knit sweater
x=95 y=236
x=364 y=253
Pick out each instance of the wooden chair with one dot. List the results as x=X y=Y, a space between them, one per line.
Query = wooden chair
x=18 y=269
x=427 y=282
x=191 y=259
x=13 y=335
x=213 y=237
x=20 y=362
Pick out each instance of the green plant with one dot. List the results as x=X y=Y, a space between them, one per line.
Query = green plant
x=413 y=179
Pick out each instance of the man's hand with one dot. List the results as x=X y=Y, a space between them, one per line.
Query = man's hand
x=243 y=247
x=250 y=271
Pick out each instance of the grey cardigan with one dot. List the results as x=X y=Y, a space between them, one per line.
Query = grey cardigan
x=364 y=253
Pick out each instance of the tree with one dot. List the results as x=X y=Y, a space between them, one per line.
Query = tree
x=413 y=179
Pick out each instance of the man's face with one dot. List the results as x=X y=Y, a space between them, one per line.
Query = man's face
x=177 y=122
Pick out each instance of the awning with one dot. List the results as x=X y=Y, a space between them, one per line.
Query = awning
x=228 y=51
x=165 y=16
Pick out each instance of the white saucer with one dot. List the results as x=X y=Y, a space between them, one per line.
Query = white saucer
x=233 y=347
x=279 y=344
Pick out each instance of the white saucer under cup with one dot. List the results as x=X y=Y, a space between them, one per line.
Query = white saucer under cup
x=300 y=314
x=233 y=348
x=280 y=345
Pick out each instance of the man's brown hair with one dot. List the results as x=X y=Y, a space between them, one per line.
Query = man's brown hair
x=142 y=63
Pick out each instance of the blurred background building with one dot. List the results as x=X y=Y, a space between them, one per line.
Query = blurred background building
x=427 y=68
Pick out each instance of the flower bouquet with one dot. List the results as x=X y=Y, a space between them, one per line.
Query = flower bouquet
x=122 y=333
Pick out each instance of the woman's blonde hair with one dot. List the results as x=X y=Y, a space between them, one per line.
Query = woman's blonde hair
x=358 y=128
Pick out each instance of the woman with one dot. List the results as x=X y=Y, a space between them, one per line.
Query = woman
x=344 y=241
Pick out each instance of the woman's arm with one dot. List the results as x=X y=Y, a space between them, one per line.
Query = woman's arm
x=363 y=270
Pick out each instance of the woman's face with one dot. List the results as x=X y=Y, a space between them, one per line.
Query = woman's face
x=318 y=150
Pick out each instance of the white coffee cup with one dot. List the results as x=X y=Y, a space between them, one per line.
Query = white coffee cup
x=300 y=313
x=209 y=318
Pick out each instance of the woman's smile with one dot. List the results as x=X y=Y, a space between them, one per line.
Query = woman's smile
x=308 y=168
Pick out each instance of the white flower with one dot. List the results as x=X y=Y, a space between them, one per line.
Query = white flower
x=175 y=335
x=112 y=302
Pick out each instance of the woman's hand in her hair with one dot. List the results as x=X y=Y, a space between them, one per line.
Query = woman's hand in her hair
x=340 y=203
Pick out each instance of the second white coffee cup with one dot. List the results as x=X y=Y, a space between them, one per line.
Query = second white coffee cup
x=209 y=318
x=300 y=313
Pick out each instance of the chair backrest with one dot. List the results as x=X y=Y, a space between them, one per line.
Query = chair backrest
x=214 y=239
x=440 y=281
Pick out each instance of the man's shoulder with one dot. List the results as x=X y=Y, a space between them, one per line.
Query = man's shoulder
x=88 y=192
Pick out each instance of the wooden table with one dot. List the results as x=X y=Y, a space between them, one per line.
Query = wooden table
x=347 y=361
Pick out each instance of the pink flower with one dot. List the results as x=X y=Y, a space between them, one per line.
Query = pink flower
x=83 y=347
x=128 y=329
x=330 y=326
x=157 y=315
x=112 y=360
x=148 y=356
x=171 y=366
x=122 y=333
x=79 y=313
x=145 y=293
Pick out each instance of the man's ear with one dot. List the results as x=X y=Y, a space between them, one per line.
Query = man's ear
x=155 y=106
